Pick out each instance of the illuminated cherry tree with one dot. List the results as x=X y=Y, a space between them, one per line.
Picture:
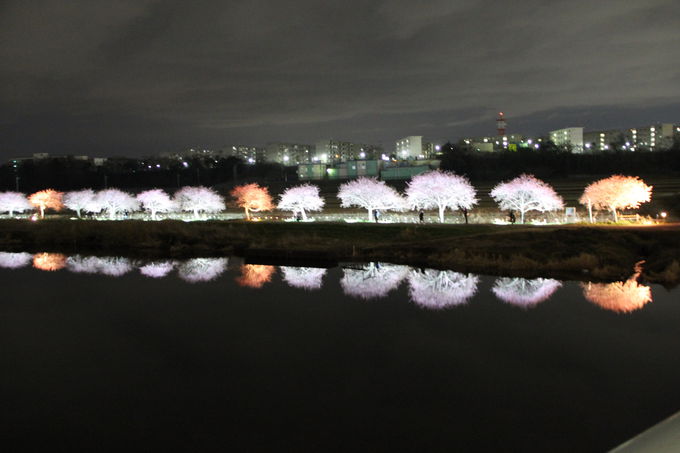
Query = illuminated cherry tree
x=113 y=266
x=49 y=261
x=615 y=193
x=301 y=199
x=370 y=194
x=79 y=200
x=157 y=269
x=202 y=269
x=523 y=292
x=46 y=199
x=252 y=198
x=14 y=260
x=303 y=277
x=199 y=199
x=12 y=202
x=372 y=280
x=255 y=275
x=435 y=289
x=440 y=190
x=155 y=201
x=113 y=201
x=526 y=193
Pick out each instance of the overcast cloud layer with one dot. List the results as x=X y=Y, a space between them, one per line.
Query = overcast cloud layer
x=133 y=77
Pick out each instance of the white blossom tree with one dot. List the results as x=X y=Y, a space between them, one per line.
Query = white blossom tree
x=436 y=289
x=155 y=201
x=78 y=200
x=370 y=194
x=523 y=292
x=113 y=201
x=615 y=193
x=303 y=277
x=202 y=269
x=199 y=199
x=372 y=280
x=14 y=260
x=526 y=193
x=301 y=199
x=440 y=190
x=157 y=269
x=12 y=202
x=113 y=266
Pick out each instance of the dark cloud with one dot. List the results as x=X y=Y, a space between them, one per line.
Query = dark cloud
x=139 y=77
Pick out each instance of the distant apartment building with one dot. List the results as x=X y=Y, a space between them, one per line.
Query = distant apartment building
x=288 y=154
x=413 y=147
x=604 y=140
x=568 y=137
x=646 y=138
x=496 y=143
x=249 y=154
x=328 y=151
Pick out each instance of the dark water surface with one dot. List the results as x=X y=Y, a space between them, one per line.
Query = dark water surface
x=218 y=355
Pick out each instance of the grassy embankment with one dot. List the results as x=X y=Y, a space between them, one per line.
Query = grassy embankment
x=573 y=252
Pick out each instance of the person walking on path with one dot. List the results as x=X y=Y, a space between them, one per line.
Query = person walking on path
x=421 y=216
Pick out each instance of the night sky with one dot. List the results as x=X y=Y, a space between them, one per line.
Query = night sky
x=133 y=77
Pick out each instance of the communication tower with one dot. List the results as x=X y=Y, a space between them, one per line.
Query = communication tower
x=500 y=124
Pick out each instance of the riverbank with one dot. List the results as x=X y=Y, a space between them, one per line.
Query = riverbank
x=567 y=252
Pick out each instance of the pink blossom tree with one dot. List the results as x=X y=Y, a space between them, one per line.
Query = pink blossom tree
x=615 y=193
x=523 y=292
x=157 y=269
x=372 y=280
x=308 y=278
x=155 y=201
x=436 y=289
x=114 y=201
x=12 y=202
x=14 y=260
x=199 y=199
x=202 y=269
x=440 y=190
x=301 y=199
x=252 y=198
x=370 y=194
x=46 y=199
x=526 y=193
x=79 y=200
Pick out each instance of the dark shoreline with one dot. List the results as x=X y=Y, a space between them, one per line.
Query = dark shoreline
x=576 y=252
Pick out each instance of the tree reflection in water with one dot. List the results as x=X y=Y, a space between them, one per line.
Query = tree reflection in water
x=49 y=261
x=372 y=280
x=255 y=275
x=113 y=266
x=14 y=260
x=157 y=269
x=525 y=293
x=202 y=269
x=435 y=289
x=308 y=278
x=621 y=297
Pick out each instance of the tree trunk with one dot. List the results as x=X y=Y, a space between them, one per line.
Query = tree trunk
x=112 y=214
x=441 y=213
x=195 y=214
x=521 y=216
x=370 y=214
x=247 y=213
x=153 y=215
x=78 y=213
x=616 y=217
x=42 y=212
x=304 y=216
x=590 y=211
x=11 y=212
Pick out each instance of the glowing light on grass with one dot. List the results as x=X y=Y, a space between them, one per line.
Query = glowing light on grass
x=435 y=289
x=526 y=193
x=440 y=190
x=615 y=193
x=255 y=275
x=372 y=280
x=46 y=199
x=202 y=269
x=309 y=278
x=14 y=260
x=523 y=292
x=49 y=261
x=252 y=198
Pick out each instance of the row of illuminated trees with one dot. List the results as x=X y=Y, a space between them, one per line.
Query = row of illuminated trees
x=439 y=190
x=430 y=288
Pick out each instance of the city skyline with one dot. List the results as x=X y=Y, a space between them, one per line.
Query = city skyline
x=139 y=78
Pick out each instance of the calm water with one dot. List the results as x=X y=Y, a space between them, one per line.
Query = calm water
x=214 y=354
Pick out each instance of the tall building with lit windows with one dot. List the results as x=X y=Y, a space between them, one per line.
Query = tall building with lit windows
x=328 y=151
x=288 y=154
x=249 y=154
x=568 y=137
x=654 y=137
x=413 y=147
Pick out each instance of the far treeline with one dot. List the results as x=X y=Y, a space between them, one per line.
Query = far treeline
x=548 y=162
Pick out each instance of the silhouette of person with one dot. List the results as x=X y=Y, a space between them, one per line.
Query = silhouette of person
x=421 y=216
x=377 y=216
x=512 y=218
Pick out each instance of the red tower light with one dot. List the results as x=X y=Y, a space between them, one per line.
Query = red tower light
x=500 y=124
